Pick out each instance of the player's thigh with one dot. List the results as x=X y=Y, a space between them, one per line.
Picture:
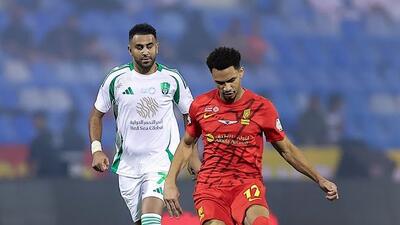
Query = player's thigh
x=253 y=212
x=130 y=192
x=249 y=196
x=212 y=207
x=152 y=192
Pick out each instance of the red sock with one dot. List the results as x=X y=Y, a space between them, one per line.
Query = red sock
x=261 y=220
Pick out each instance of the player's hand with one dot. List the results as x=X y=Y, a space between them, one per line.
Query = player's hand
x=330 y=189
x=100 y=161
x=171 y=199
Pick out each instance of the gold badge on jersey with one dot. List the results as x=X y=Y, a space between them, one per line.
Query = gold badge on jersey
x=246 y=117
x=200 y=212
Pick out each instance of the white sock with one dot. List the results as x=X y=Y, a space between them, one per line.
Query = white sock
x=151 y=219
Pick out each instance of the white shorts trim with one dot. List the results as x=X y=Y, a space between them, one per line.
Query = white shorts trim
x=134 y=189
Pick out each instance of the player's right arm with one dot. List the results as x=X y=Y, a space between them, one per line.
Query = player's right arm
x=181 y=158
x=100 y=160
x=103 y=103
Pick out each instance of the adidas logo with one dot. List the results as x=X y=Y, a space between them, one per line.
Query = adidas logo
x=128 y=91
x=158 y=190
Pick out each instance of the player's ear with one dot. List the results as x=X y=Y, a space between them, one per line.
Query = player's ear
x=157 y=45
x=130 y=50
x=241 y=72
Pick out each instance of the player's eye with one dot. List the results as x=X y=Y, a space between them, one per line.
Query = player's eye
x=231 y=80
x=149 y=46
x=139 y=47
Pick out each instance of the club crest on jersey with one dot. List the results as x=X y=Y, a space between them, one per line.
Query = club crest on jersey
x=165 y=87
x=200 y=212
x=246 y=117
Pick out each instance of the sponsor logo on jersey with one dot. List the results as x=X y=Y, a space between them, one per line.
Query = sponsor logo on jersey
x=165 y=87
x=211 y=108
x=246 y=117
x=210 y=137
x=210 y=111
x=147 y=107
x=208 y=115
x=150 y=90
x=278 y=125
x=158 y=190
x=128 y=91
x=228 y=122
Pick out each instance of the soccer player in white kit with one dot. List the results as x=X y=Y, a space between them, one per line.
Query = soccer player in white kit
x=141 y=94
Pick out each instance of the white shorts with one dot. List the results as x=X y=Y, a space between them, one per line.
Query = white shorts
x=135 y=189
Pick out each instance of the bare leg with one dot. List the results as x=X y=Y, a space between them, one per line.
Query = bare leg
x=214 y=222
x=152 y=208
x=253 y=212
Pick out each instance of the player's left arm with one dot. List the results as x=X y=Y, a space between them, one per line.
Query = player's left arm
x=194 y=163
x=184 y=99
x=297 y=159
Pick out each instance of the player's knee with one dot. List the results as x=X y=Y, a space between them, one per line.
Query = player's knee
x=261 y=220
x=214 y=222
x=150 y=219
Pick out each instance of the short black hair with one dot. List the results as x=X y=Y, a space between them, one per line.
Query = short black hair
x=222 y=58
x=142 y=28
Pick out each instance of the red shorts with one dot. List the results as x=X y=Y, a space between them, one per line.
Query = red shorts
x=229 y=204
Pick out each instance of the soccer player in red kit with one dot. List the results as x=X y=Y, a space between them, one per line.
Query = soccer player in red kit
x=232 y=121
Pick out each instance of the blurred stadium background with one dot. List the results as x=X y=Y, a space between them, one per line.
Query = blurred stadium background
x=332 y=68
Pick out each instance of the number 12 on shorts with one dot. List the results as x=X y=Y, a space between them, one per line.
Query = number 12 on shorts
x=252 y=193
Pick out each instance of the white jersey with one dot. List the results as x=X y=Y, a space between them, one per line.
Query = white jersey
x=147 y=131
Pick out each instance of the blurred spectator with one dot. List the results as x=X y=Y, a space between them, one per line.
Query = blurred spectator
x=312 y=128
x=233 y=36
x=335 y=119
x=353 y=163
x=72 y=140
x=44 y=156
x=66 y=41
x=253 y=45
x=72 y=145
x=16 y=38
x=256 y=45
x=196 y=41
x=360 y=161
x=95 y=52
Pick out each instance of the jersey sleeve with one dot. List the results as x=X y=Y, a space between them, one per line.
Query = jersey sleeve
x=183 y=96
x=193 y=126
x=103 y=100
x=271 y=124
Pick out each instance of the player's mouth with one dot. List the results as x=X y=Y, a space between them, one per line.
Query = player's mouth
x=146 y=60
x=229 y=94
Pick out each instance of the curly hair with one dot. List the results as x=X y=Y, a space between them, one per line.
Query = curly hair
x=222 y=58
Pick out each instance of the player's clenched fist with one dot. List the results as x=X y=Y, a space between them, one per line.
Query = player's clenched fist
x=330 y=189
x=100 y=161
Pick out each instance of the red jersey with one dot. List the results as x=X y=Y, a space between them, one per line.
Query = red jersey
x=232 y=136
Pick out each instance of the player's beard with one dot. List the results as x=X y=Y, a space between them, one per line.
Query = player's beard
x=229 y=96
x=145 y=65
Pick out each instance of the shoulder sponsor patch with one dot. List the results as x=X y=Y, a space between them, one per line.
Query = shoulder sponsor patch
x=278 y=125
